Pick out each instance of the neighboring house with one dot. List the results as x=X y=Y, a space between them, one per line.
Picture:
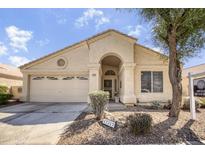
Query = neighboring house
x=185 y=79
x=12 y=78
x=110 y=61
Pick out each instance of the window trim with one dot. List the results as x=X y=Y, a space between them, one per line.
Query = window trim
x=38 y=78
x=52 y=78
x=110 y=72
x=152 y=82
x=162 y=83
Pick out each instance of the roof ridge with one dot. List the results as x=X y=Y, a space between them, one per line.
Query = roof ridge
x=194 y=66
x=74 y=44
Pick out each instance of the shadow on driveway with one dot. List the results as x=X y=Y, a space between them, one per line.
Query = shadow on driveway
x=33 y=114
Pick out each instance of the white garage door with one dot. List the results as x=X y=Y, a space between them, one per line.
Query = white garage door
x=59 y=89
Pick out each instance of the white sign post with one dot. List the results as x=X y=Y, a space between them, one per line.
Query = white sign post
x=192 y=100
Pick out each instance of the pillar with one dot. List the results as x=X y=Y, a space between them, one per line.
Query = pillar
x=129 y=97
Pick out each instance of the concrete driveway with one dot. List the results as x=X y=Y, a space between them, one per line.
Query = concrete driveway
x=37 y=123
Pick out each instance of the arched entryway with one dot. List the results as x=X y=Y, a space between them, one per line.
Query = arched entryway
x=110 y=77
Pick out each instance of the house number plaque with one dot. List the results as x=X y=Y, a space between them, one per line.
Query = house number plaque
x=109 y=123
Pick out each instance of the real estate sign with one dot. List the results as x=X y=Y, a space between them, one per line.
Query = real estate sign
x=199 y=87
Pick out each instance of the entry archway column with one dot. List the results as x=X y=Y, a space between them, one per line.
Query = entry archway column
x=129 y=97
x=94 y=77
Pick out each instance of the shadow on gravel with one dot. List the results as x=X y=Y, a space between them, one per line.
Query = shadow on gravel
x=188 y=135
x=78 y=126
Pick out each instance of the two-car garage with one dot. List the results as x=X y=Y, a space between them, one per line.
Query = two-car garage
x=58 y=88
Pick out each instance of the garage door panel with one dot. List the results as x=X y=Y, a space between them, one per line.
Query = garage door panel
x=46 y=90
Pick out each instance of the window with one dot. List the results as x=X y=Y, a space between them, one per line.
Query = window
x=52 y=78
x=68 y=78
x=151 y=82
x=157 y=82
x=107 y=83
x=110 y=72
x=38 y=78
x=82 y=78
x=146 y=82
x=61 y=62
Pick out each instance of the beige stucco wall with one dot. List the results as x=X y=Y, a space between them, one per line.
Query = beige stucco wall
x=77 y=61
x=123 y=48
x=86 y=59
x=112 y=45
x=150 y=61
x=10 y=82
x=76 y=64
x=15 y=92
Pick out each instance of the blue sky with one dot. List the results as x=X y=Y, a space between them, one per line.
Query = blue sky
x=27 y=34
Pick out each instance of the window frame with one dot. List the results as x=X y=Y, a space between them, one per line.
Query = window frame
x=110 y=72
x=152 y=81
x=161 y=82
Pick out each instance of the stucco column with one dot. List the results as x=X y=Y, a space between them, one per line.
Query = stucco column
x=94 y=77
x=26 y=87
x=129 y=97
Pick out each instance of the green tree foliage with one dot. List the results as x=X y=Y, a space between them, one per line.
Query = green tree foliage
x=180 y=32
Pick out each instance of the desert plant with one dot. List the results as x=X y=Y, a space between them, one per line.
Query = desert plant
x=168 y=105
x=186 y=103
x=99 y=99
x=139 y=123
x=179 y=32
x=4 y=98
x=3 y=89
x=202 y=102
x=156 y=105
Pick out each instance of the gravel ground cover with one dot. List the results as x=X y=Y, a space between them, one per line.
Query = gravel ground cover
x=165 y=130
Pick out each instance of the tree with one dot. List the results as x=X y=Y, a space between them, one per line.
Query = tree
x=181 y=33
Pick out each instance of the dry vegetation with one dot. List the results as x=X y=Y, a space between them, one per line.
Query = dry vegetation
x=165 y=130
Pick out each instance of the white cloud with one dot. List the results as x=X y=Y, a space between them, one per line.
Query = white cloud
x=17 y=60
x=89 y=15
x=101 y=21
x=157 y=49
x=3 y=49
x=43 y=42
x=18 y=37
x=135 y=30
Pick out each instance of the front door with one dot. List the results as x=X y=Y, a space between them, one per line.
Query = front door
x=108 y=87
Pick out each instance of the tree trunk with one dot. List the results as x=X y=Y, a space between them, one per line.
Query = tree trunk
x=174 y=76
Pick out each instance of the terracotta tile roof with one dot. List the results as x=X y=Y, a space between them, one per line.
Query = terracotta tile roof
x=10 y=71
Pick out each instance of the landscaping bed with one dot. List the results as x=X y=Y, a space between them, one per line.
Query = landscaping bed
x=165 y=130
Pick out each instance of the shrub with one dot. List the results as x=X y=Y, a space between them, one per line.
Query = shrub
x=202 y=102
x=99 y=99
x=156 y=105
x=139 y=123
x=186 y=103
x=4 y=98
x=168 y=105
x=3 y=89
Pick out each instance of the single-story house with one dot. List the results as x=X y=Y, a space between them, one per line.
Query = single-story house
x=12 y=78
x=110 y=61
x=185 y=76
